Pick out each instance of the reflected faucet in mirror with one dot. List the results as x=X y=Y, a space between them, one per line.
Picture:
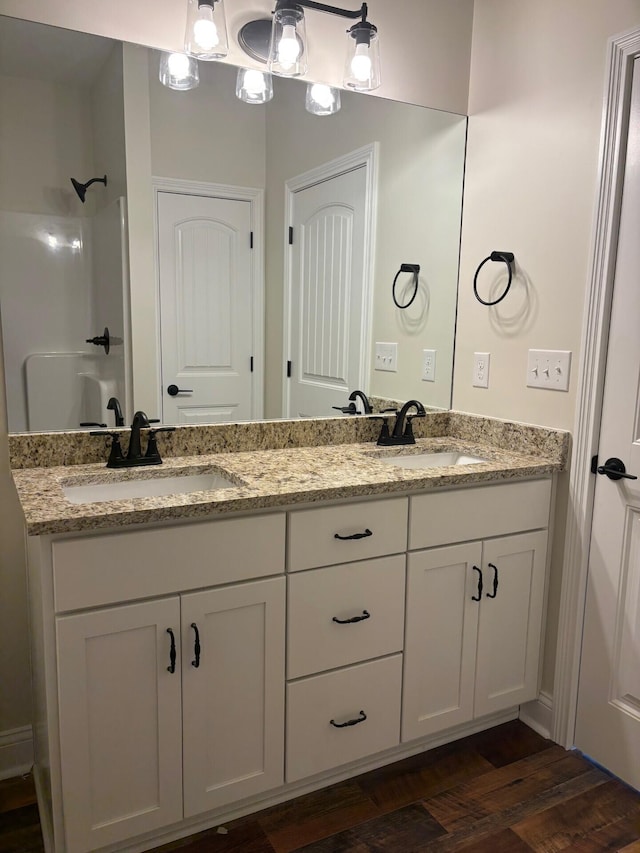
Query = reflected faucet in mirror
x=114 y=406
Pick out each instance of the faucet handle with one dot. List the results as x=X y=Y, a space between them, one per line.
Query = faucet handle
x=152 y=445
x=346 y=410
x=115 y=454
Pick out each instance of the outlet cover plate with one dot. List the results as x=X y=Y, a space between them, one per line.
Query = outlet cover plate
x=386 y=357
x=428 y=365
x=481 y=369
x=549 y=368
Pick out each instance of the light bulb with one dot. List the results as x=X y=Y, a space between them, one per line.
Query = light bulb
x=178 y=66
x=322 y=95
x=205 y=32
x=254 y=82
x=289 y=47
x=361 y=63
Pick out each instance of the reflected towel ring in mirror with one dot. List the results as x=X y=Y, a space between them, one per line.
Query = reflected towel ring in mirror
x=506 y=258
x=412 y=268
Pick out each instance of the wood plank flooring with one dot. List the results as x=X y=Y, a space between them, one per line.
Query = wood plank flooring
x=502 y=791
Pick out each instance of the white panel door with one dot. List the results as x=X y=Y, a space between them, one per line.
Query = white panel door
x=608 y=714
x=206 y=308
x=440 y=642
x=120 y=724
x=509 y=630
x=233 y=699
x=327 y=294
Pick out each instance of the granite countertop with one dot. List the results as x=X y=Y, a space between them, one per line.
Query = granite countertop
x=272 y=478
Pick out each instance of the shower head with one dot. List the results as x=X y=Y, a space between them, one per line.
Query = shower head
x=81 y=189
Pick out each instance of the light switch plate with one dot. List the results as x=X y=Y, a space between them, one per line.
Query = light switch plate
x=549 y=368
x=386 y=357
x=481 y=369
x=428 y=365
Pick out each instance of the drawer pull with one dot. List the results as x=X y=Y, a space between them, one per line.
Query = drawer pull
x=196 y=646
x=172 y=653
x=479 y=595
x=365 y=615
x=495 y=581
x=364 y=535
x=355 y=722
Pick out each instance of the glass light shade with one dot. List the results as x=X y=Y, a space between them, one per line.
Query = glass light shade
x=254 y=87
x=362 y=68
x=178 y=71
x=206 y=35
x=288 y=55
x=322 y=100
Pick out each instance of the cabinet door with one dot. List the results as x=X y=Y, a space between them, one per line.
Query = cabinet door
x=511 y=622
x=233 y=700
x=120 y=725
x=440 y=640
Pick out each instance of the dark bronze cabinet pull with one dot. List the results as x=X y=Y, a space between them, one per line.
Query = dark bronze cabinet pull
x=196 y=646
x=365 y=615
x=479 y=595
x=355 y=722
x=364 y=535
x=495 y=581
x=172 y=653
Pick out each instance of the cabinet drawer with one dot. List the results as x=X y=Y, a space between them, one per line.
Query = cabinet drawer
x=441 y=518
x=313 y=533
x=95 y=570
x=373 y=589
x=314 y=744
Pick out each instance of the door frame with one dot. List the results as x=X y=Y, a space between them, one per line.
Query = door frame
x=255 y=197
x=367 y=156
x=623 y=50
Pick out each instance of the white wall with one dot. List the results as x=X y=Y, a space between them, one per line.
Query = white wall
x=107 y=130
x=425 y=50
x=536 y=93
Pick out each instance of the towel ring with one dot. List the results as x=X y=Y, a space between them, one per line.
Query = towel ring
x=506 y=258
x=413 y=268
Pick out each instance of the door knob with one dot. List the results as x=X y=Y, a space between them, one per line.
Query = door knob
x=615 y=469
x=173 y=390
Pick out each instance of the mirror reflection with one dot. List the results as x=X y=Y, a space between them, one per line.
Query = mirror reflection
x=162 y=255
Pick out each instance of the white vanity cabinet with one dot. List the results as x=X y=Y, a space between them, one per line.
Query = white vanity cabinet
x=389 y=643
x=474 y=610
x=167 y=707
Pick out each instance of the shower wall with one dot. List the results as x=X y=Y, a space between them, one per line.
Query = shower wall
x=56 y=252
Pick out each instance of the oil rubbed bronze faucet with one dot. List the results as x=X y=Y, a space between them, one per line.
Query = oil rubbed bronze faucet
x=402 y=429
x=134 y=456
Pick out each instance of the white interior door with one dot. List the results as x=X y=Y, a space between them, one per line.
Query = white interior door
x=328 y=294
x=608 y=715
x=206 y=308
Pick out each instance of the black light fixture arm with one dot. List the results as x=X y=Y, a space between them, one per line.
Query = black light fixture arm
x=362 y=12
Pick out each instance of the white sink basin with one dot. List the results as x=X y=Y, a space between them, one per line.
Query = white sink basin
x=432 y=460
x=151 y=488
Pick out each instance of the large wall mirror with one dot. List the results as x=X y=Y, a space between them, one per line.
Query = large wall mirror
x=184 y=255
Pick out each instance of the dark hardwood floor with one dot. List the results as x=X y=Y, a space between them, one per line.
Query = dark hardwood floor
x=502 y=791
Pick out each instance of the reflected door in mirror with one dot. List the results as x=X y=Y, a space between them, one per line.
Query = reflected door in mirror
x=206 y=308
x=327 y=294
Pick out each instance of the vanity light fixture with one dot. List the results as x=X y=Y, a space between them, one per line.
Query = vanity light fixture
x=322 y=100
x=178 y=71
x=282 y=43
x=206 y=35
x=254 y=87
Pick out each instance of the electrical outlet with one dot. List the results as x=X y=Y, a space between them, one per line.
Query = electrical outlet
x=428 y=365
x=549 y=368
x=386 y=357
x=481 y=369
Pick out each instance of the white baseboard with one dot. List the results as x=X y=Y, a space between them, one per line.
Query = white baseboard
x=16 y=752
x=537 y=714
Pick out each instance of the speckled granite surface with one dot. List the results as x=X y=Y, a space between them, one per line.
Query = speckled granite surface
x=305 y=466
